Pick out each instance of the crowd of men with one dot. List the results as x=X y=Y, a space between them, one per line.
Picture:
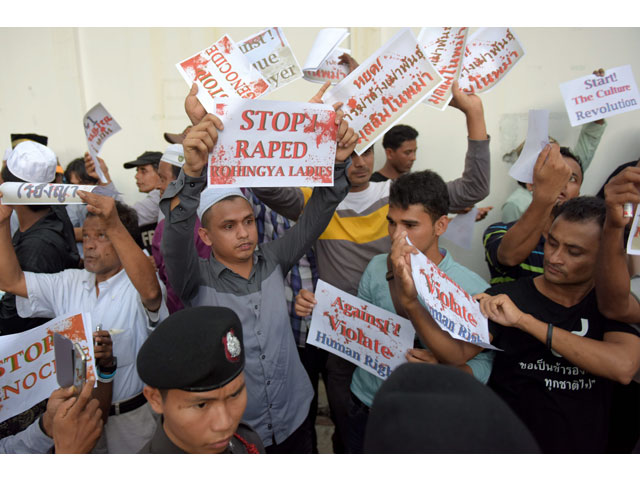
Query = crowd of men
x=211 y=292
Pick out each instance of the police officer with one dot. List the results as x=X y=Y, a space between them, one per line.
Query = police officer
x=192 y=365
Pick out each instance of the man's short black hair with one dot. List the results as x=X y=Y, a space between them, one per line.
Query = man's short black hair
x=582 y=209
x=566 y=152
x=129 y=218
x=425 y=188
x=8 y=176
x=175 y=171
x=398 y=134
x=77 y=166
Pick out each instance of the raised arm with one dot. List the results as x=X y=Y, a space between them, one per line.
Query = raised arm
x=133 y=260
x=613 y=282
x=473 y=186
x=11 y=274
x=550 y=176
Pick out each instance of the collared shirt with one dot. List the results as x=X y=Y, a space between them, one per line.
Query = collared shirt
x=278 y=388
x=118 y=308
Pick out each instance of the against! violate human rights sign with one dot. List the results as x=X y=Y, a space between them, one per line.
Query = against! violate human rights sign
x=276 y=144
x=453 y=309
x=27 y=362
x=360 y=332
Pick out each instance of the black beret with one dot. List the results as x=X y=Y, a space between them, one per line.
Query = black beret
x=195 y=349
x=424 y=408
x=21 y=137
x=147 y=158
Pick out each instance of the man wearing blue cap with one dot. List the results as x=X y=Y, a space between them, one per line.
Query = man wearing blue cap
x=249 y=280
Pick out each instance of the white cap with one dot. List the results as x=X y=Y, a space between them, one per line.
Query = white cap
x=33 y=162
x=174 y=154
x=211 y=196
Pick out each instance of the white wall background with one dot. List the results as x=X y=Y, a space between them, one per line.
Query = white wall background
x=52 y=76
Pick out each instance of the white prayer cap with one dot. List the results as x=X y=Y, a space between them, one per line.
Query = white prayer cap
x=211 y=196
x=33 y=162
x=174 y=154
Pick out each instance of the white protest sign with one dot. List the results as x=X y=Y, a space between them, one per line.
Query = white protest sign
x=18 y=193
x=460 y=229
x=330 y=69
x=591 y=97
x=384 y=88
x=222 y=71
x=276 y=144
x=27 y=362
x=537 y=138
x=326 y=42
x=490 y=54
x=98 y=126
x=270 y=53
x=444 y=47
x=360 y=332
x=453 y=309
x=633 y=243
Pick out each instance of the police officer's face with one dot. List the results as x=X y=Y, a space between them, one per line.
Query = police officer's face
x=202 y=422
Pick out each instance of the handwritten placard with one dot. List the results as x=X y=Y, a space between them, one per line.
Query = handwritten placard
x=445 y=47
x=27 y=362
x=19 y=193
x=275 y=144
x=270 y=53
x=385 y=87
x=592 y=98
x=99 y=125
x=222 y=71
x=490 y=54
x=360 y=332
x=330 y=69
x=453 y=309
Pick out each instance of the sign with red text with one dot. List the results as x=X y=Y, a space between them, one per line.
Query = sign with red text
x=591 y=98
x=490 y=54
x=222 y=71
x=330 y=69
x=444 y=47
x=276 y=144
x=360 y=332
x=98 y=126
x=384 y=88
x=27 y=362
x=270 y=54
x=19 y=193
x=453 y=309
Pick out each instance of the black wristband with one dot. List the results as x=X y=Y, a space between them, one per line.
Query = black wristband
x=549 y=335
x=109 y=370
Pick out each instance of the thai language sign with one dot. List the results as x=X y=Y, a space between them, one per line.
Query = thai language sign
x=364 y=334
x=490 y=54
x=222 y=71
x=453 y=309
x=98 y=126
x=276 y=144
x=330 y=69
x=18 y=193
x=385 y=87
x=591 y=98
x=270 y=54
x=444 y=47
x=27 y=362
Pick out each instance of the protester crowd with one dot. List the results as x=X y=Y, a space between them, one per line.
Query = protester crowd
x=204 y=296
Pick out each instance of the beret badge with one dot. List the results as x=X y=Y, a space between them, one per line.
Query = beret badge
x=232 y=347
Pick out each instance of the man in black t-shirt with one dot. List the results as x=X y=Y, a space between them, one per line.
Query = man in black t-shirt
x=561 y=345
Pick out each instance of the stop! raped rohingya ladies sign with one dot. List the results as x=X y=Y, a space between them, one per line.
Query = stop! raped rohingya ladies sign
x=275 y=144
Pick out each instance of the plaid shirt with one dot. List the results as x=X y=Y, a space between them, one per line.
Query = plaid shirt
x=271 y=226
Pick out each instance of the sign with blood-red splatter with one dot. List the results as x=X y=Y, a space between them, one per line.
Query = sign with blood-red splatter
x=444 y=47
x=453 y=309
x=330 y=69
x=270 y=53
x=276 y=144
x=490 y=54
x=385 y=87
x=98 y=126
x=27 y=362
x=222 y=71
x=362 y=333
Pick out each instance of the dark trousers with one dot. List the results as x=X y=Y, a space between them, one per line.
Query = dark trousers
x=298 y=442
x=358 y=417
